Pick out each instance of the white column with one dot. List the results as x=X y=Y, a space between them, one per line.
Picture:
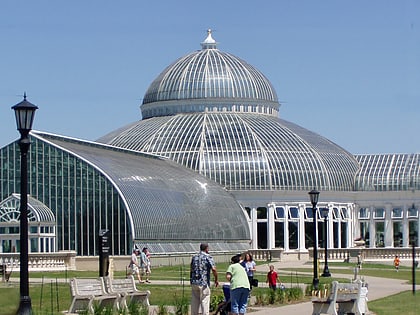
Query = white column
x=354 y=232
x=330 y=230
x=388 y=227
x=270 y=226
x=254 y=229
x=301 y=228
x=372 y=230
x=405 y=228
x=286 y=228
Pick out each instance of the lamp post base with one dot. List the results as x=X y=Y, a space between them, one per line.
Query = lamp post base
x=326 y=272
x=25 y=306
x=315 y=283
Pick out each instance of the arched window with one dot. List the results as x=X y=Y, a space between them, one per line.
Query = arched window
x=41 y=226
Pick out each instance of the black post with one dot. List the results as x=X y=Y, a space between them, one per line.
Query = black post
x=25 y=305
x=414 y=267
x=104 y=251
x=314 y=195
x=24 y=113
x=326 y=272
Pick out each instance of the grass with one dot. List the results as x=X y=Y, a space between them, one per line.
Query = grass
x=403 y=303
x=54 y=295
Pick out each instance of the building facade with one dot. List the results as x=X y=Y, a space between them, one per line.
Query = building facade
x=239 y=179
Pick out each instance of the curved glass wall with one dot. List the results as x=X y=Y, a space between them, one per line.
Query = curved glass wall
x=388 y=172
x=243 y=151
x=81 y=198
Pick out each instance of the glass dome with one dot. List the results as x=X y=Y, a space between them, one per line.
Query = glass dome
x=217 y=115
x=243 y=151
x=209 y=80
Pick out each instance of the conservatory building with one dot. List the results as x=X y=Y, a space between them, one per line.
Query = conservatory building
x=211 y=160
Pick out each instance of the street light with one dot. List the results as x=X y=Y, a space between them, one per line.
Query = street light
x=24 y=112
x=324 y=213
x=314 y=195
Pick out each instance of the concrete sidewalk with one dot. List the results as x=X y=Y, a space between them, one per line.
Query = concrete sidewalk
x=378 y=288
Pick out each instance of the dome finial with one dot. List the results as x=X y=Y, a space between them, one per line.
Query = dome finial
x=209 y=42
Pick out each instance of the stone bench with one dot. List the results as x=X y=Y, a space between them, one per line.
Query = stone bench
x=89 y=295
x=127 y=290
x=344 y=298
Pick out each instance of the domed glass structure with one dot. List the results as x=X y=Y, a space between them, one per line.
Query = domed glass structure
x=216 y=114
x=209 y=80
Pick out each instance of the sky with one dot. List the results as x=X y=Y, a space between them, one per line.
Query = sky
x=347 y=70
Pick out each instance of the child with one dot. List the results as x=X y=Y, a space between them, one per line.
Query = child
x=396 y=263
x=272 y=278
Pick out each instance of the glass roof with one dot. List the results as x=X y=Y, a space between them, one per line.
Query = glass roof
x=243 y=151
x=209 y=75
x=37 y=211
x=388 y=172
x=165 y=201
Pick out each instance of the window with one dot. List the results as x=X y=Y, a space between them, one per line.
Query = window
x=397 y=213
x=363 y=213
x=379 y=213
x=279 y=213
x=309 y=213
x=412 y=212
x=336 y=213
x=345 y=213
x=293 y=213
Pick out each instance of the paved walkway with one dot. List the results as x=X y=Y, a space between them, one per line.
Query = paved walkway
x=378 y=288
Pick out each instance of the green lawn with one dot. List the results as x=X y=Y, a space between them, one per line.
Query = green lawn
x=52 y=295
x=404 y=303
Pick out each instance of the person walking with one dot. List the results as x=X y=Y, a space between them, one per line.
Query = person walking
x=134 y=264
x=145 y=264
x=397 y=263
x=239 y=286
x=201 y=265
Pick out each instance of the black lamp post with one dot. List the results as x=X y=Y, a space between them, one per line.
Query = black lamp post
x=324 y=212
x=314 y=195
x=24 y=112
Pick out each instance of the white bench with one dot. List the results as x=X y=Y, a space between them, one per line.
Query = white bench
x=127 y=290
x=344 y=298
x=88 y=294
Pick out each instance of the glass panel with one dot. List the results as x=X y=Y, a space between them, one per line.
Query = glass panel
x=363 y=213
x=345 y=213
x=364 y=232
x=34 y=245
x=379 y=213
x=413 y=230
x=412 y=213
x=309 y=235
x=279 y=234
x=280 y=213
x=261 y=213
x=397 y=213
x=398 y=237
x=262 y=234
x=309 y=213
x=380 y=237
x=344 y=226
x=293 y=213
x=293 y=235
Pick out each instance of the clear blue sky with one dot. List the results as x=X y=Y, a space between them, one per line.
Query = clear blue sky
x=348 y=70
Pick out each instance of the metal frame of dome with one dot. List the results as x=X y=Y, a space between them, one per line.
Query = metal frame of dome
x=209 y=80
x=244 y=151
x=388 y=172
x=38 y=212
x=152 y=188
